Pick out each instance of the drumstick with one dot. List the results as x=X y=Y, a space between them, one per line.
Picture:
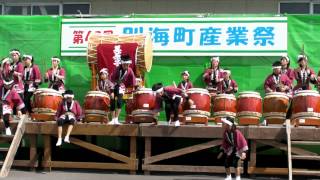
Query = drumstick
x=174 y=84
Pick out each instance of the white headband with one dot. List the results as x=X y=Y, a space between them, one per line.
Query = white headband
x=7 y=83
x=216 y=58
x=224 y=120
x=302 y=56
x=227 y=71
x=15 y=52
x=286 y=57
x=104 y=70
x=27 y=56
x=186 y=73
x=55 y=59
x=276 y=67
x=159 y=90
x=126 y=62
x=68 y=95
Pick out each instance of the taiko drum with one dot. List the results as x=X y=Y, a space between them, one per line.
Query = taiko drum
x=144 y=102
x=306 y=105
x=224 y=105
x=202 y=102
x=96 y=105
x=45 y=103
x=275 y=107
x=249 y=108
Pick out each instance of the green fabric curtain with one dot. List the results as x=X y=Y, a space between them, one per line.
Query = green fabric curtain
x=40 y=36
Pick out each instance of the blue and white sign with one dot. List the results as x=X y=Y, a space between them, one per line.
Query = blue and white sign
x=236 y=36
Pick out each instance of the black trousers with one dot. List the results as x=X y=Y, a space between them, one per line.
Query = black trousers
x=172 y=107
x=27 y=100
x=117 y=99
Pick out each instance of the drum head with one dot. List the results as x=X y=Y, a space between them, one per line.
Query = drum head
x=47 y=90
x=148 y=52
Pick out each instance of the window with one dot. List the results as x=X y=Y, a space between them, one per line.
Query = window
x=45 y=9
x=69 y=9
x=294 y=7
x=316 y=8
x=17 y=10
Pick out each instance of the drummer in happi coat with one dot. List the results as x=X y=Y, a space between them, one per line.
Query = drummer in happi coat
x=104 y=84
x=185 y=84
x=55 y=75
x=285 y=68
x=31 y=79
x=122 y=77
x=69 y=112
x=228 y=85
x=213 y=75
x=304 y=75
x=9 y=99
x=172 y=98
x=277 y=82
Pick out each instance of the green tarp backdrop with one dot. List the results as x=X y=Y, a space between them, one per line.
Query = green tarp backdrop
x=40 y=36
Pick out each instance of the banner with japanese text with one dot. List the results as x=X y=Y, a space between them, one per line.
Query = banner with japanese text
x=234 y=36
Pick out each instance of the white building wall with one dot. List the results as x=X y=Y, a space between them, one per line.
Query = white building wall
x=100 y=7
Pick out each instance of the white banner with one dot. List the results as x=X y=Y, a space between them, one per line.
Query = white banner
x=238 y=36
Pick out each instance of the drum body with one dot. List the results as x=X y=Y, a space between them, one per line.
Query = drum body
x=306 y=105
x=275 y=107
x=96 y=106
x=130 y=106
x=45 y=103
x=202 y=102
x=249 y=108
x=224 y=105
x=144 y=102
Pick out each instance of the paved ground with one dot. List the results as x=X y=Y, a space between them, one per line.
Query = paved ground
x=92 y=175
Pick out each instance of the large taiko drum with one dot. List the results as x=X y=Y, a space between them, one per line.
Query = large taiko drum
x=145 y=102
x=224 y=105
x=96 y=106
x=249 y=108
x=275 y=107
x=202 y=102
x=306 y=107
x=45 y=104
x=144 y=52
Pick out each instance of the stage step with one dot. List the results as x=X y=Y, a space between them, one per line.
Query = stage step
x=306 y=172
x=4 y=149
x=314 y=158
x=12 y=150
x=303 y=155
x=305 y=143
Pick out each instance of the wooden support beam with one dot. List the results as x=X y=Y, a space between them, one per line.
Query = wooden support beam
x=147 y=151
x=253 y=156
x=183 y=151
x=100 y=150
x=85 y=129
x=46 y=163
x=313 y=158
x=133 y=155
x=13 y=147
x=33 y=155
x=185 y=168
x=87 y=165
x=295 y=150
x=267 y=170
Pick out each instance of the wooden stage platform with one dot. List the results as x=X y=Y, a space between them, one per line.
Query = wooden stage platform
x=274 y=136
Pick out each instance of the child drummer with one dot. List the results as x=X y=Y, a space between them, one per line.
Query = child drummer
x=185 y=84
x=234 y=147
x=69 y=112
